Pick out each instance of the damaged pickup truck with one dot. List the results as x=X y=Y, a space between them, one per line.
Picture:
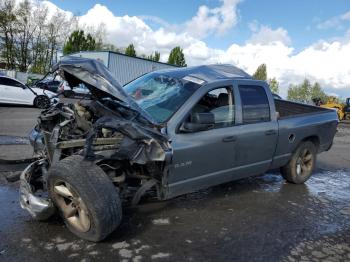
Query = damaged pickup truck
x=166 y=133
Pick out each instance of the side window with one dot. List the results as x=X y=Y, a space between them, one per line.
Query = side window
x=220 y=103
x=10 y=82
x=255 y=104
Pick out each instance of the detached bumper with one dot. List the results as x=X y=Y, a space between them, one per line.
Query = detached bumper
x=39 y=206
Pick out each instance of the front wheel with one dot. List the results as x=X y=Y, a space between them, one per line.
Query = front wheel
x=300 y=167
x=42 y=102
x=347 y=116
x=86 y=198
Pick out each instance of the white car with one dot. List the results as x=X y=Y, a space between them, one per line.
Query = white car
x=14 y=92
x=80 y=91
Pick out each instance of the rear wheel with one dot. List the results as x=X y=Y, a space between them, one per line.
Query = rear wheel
x=300 y=167
x=85 y=197
x=42 y=102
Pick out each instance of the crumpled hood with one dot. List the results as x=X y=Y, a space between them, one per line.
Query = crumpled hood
x=93 y=74
x=97 y=78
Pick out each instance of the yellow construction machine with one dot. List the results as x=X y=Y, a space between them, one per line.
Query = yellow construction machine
x=343 y=110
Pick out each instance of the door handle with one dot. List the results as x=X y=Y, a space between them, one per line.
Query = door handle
x=229 y=139
x=270 y=132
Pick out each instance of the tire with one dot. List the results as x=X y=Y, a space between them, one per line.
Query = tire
x=42 y=102
x=93 y=209
x=300 y=167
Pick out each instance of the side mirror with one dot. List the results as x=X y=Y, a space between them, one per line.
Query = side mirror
x=199 y=122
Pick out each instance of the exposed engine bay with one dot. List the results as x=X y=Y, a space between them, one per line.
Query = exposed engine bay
x=130 y=149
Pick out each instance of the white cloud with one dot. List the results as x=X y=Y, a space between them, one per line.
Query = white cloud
x=334 y=22
x=266 y=35
x=218 y=20
x=325 y=61
x=345 y=16
x=52 y=9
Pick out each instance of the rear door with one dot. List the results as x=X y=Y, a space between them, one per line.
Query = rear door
x=258 y=129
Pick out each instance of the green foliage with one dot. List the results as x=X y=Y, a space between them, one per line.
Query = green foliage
x=177 y=57
x=30 y=38
x=318 y=93
x=109 y=47
x=274 y=85
x=306 y=92
x=130 y=50
x=154 y=57
x=77 y=41
x=261 y=73
x=7 y=28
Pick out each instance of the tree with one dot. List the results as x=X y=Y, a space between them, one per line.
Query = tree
x=177 y=57
x=306 y=92
x=7 y=28
x=260 y=73
x=130 y=50
x=77 y=41
x=154 y=57
x=30 y=38
x=274 y=85
x=300 y=93
x=318 y=93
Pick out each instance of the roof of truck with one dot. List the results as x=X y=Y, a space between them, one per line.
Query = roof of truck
x=209 y=73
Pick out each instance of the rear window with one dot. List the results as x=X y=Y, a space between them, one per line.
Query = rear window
x=255 y=104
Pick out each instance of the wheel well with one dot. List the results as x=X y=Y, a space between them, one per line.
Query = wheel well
x=35 y=98
x=314 y=139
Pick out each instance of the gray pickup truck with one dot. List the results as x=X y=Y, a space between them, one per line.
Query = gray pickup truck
x=164 y=134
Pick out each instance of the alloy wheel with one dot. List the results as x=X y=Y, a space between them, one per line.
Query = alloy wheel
x=42 y=102
x=72 y=207
x=304 y=162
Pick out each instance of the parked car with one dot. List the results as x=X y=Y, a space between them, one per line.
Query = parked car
x=14 y=92
x=167 y=133
x=79 y=91
x=48 y=84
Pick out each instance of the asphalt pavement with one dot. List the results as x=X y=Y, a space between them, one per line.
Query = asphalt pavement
x=261 y=218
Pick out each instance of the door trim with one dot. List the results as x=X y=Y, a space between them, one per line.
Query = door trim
x=212 y=179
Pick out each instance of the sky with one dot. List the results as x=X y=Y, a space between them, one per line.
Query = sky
x=296 y=39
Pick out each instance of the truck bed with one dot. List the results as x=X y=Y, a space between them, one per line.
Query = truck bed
x=298 y=121
x=288 y=109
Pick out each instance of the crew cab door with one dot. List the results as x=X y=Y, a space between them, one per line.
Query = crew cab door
x=204 y=158
x=258 y=128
